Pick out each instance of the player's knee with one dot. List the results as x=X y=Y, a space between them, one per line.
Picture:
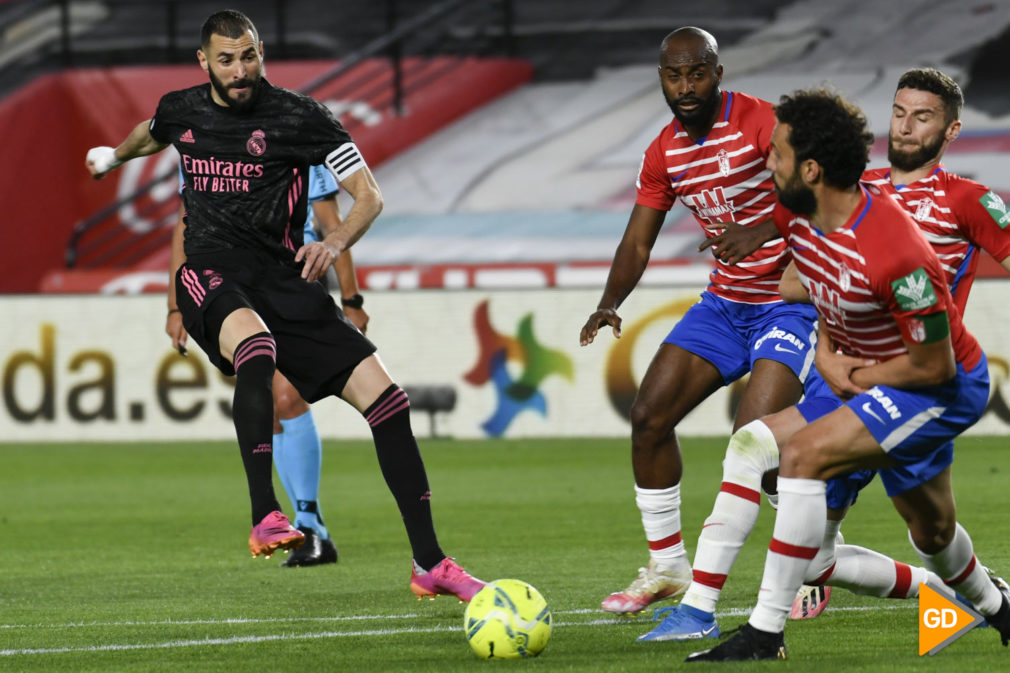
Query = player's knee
x=932 y=535
x=289 y=404
x=800 y=460
x=649 y=425
x=754 y=446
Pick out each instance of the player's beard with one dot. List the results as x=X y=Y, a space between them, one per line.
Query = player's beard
x=700 y=115
x=796 y=196
x=909 y=160
x=237 y=105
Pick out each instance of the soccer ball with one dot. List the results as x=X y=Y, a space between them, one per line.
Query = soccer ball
x=507 y=619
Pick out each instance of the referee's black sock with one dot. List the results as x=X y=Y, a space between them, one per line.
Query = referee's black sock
x=253 y=412
x=403 y=470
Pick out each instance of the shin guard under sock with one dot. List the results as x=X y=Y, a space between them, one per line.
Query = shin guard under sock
x=403 y=470
x=252 y=411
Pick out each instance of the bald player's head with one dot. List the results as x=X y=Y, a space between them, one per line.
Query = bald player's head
x=690 y=75
x=690 y=42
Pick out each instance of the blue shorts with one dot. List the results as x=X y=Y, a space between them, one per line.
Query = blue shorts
x=914 y=427
x=732 y=336
x=843 y=491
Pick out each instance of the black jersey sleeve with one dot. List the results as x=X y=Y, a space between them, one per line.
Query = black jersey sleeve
x=325 y=133
x=160 y=121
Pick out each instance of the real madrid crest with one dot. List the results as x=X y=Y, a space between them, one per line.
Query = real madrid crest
x=257 y=144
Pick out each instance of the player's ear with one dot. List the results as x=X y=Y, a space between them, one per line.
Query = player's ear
x=810 y=171
x=953 y=131
x=718 y=73
x=202 y=58
x=261 y=49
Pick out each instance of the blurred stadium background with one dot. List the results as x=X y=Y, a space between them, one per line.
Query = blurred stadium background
x=505 y=135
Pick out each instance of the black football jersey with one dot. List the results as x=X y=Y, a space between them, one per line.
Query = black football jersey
x=247 y=173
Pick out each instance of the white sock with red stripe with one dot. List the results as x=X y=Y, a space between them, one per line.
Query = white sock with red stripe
x=959 y=569
x=823 y=565
x=752 y=451
x=799 y=528
x=660 y=508
x=869 y=573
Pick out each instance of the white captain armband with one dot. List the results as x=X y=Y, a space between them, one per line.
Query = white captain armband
x=344 y=161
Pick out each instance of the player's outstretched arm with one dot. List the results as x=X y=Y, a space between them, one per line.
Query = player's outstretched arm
x=367 y=205
x=140 y=143
x=629 y=263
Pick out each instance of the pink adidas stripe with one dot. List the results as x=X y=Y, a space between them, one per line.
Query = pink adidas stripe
x=252 y=348
x=386 y=409
x=246 y=356
x=373 y=421
x=192 y=284
x=294 y=193
x=392 y=399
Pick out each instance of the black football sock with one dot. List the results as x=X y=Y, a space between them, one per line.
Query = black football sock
x=253 y=411
x=403 y=470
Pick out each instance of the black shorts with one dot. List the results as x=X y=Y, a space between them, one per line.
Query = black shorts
x=317 y=346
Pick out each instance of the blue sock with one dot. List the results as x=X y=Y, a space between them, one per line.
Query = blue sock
x=302 y=465
x=280 y=462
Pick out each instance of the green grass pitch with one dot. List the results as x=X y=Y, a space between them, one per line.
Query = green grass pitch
x=132 y=557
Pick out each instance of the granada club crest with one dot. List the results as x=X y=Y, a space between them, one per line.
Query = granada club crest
x=917 y=331
x=844 y=278
x=257 y=144
x=922 y=211
x=723 y=158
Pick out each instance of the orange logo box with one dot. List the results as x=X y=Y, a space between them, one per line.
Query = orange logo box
x=942 y=620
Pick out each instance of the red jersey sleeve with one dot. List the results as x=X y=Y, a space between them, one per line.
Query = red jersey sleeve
x=781 y=216
x=760 y=122
x=908 y=279
x=981 y=215
x=653 y=183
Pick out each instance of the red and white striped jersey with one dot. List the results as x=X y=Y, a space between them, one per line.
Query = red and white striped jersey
x=958 y=216
x=722 y=178
x=874 y=280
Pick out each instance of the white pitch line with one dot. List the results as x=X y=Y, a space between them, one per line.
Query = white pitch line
x=224 y=641
x=732 y=612
x=231 y=620
x=173 y=644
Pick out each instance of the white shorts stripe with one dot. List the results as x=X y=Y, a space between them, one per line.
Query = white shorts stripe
x=905 y=430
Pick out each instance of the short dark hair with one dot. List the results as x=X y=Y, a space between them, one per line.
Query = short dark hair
x=229 y=23
x=830 y=130
x=935 y=82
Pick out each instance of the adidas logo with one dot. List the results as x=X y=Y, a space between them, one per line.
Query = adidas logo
x=187 y=137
